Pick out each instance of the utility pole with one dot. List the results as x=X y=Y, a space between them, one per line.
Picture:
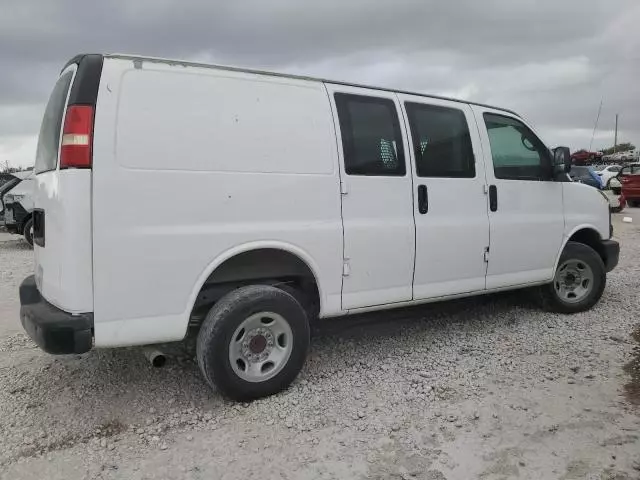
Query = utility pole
x=615 y=139
x=595 y=126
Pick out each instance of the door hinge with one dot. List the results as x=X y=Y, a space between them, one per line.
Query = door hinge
x=343 y=187
x=486 y=254
x=346 y=268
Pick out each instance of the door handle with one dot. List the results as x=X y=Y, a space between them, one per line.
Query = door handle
x=423 y=199
x=493 y=198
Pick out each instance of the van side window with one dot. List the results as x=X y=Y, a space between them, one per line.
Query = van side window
x=49 y=138
x=517 y=153
x=441 y=141
x=371 y=137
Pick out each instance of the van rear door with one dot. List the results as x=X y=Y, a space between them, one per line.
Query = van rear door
x=62 y=194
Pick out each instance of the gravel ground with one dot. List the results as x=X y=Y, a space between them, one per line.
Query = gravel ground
x=489 y=388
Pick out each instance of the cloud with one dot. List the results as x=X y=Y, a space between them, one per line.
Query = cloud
x=552 y=61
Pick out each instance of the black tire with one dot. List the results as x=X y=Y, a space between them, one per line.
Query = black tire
x=634 y=203
x=616 y=190
x=215 y=336
x=553 y=302
x=27 y=231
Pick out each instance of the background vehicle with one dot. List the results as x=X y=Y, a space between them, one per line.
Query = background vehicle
x=629 y=178
x=582 y=157
x=18 y=207
x=11 y=181
x=629 y=155
x=606 y=173
x=586 y=175
x=306 y=199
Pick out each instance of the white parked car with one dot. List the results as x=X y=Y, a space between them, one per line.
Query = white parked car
x=300 y=198
x=629 y=155
x=606 y=173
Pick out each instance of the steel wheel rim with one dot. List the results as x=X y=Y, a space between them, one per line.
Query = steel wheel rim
x=573 y=281
x=260 y=347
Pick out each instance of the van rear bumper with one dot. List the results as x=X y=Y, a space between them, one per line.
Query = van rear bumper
x=54 y=330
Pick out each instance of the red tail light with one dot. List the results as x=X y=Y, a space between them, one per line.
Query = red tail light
x=75 y=149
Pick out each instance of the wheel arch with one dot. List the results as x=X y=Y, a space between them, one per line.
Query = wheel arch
x=587 y=235
x=249 y=248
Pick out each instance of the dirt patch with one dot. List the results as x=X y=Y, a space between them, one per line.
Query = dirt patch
x=632 y=388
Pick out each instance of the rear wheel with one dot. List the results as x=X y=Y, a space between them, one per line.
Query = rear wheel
x=578 y=282
x=28 y=231
x=253 y=342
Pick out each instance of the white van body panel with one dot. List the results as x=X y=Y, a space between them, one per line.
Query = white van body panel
x=379 y=229
x=180 y=180
x=63 y=267
x=527 y=228
x=583 y=211
x=451 y=238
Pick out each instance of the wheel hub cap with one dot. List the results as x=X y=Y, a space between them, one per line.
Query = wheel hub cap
x=260 y=346
x=573 y=281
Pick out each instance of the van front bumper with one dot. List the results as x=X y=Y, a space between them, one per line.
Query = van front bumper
x=611 y=254
x=54 y=330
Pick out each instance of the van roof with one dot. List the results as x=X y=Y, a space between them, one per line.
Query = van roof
x=140 y=58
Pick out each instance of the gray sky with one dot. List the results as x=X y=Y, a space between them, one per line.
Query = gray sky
x=552 y=61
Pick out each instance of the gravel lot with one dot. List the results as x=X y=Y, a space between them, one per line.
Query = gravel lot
x=489 y=388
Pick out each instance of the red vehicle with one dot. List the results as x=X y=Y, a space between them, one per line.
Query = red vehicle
x=582 y=157
x=629 y=178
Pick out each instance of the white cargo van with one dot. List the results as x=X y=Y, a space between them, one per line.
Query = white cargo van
x=299 y=198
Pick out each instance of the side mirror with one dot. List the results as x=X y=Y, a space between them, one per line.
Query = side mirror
x=561 y=160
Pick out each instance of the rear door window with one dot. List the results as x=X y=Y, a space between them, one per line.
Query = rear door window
x=49 y=138
x=441 y=141
x=371 y=136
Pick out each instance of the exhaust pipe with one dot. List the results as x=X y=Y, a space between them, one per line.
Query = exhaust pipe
x=155 y=357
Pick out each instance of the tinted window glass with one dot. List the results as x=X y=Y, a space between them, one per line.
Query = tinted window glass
x=633 y=169
x=371 y=137
x=517 y=153
x=49 y=138
x=441 y=141
x=579 y=172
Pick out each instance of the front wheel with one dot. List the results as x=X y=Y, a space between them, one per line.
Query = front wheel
x=28 y=231
x=578 y=282
x=253 y=342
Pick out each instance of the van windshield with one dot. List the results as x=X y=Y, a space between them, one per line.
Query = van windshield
x=49 y=138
